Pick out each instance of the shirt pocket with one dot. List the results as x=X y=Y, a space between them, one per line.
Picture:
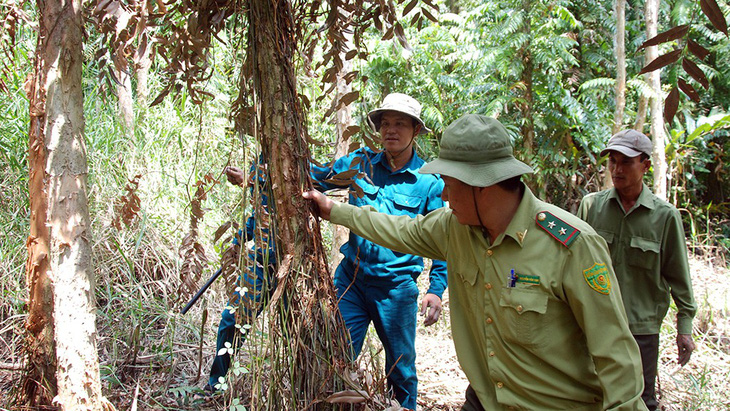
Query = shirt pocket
x=370 y=193
x=467 y=272
x=464 y=276
x=643 y=253
x=406 y=204
x=524 y=314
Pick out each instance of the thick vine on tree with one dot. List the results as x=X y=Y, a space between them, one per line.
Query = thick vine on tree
x=305 y=291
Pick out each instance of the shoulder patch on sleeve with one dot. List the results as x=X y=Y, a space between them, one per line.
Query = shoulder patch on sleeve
x=557 y=228
x=597 y=278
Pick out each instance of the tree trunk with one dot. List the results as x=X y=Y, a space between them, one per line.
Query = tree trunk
x=619 y=9
x=641 y=115
x=657 y=118
x=142 y=58
x=79 y=386
x=39 y=382
x=620 y=50
x=528 y=123
x=125 y=101
x=343 y=121
x=305 y=290
x=124 y=86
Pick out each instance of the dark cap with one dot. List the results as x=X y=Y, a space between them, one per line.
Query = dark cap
x=628 y=142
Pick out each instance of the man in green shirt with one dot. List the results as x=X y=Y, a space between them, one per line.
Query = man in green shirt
x=536 y=314
x=646 y=239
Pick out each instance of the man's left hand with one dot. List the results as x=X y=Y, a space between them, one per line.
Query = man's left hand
x=234 y=175
x=685 y=346
x=432 y=314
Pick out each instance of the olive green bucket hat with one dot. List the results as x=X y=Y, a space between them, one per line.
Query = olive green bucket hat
x=476 y=150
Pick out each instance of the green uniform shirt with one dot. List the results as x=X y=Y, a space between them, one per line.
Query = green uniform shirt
x=649 y=257
x=556 y=338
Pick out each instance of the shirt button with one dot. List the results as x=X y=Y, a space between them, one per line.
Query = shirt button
x=491 y=353
x=488 y=286
x=519 y=308
x=499 y=384
x=490 y=252
x=489 y=320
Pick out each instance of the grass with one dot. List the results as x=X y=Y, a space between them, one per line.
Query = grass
x=702 y=383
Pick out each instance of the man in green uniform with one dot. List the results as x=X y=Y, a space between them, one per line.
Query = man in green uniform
x=536 y=314
x=646 y=239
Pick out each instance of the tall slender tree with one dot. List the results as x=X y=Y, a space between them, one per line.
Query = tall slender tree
x=619 y=10
x=60 y=272
x=343 y=114
x=659 y=161
x=39 y=381
x=526 y=78
x=619 y=47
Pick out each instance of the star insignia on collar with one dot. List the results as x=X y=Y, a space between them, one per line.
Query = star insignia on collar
x=521 y=235
x=562 y=231
x=551 y=224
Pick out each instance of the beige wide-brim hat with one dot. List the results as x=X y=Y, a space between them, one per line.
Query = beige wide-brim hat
x=476 y=150
x=630 y=143
x=401 y=103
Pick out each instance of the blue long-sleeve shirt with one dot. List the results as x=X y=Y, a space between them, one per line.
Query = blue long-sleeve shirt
x=264 y=243
x=404 y=192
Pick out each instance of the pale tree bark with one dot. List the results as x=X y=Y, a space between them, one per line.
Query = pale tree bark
x=641 y=114
x=343 y=121
x=79 y=386
x=142 y=59
x=125 y=101
x=657 y=118
x=305 y=291
x=39 y=381
x=619 y=9
x=124 y=86
x=620 y=52
x=527 y=107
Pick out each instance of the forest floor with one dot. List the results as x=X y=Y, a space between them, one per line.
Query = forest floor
x=701 y=385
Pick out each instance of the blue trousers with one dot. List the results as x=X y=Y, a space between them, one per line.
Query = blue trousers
x=260 y=286
x=392 y=308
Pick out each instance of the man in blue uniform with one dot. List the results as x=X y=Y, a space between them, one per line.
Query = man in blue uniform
x=375 y=284
x=258 y=279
